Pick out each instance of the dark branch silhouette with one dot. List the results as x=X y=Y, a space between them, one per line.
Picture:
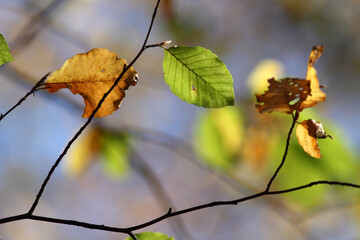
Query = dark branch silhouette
x=32 y=91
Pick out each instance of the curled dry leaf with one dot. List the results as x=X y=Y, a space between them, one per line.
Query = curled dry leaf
x=308 y=132
x=285 y=95
x=316 y=94
x=291 y=94
x=91 y=75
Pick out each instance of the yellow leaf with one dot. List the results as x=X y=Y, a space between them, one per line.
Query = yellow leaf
x=263 y=70
x=316 y=94
x=81 y=154
x=91 y=75
x=308 y=132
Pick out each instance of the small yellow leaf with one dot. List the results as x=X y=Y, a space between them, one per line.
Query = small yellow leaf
x=263 y=70
x=91 y=75
x=81 y=155
x=308 y=132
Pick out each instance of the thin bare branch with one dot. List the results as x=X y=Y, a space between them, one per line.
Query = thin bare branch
x=295 y=118
x=32 y=91
x=170 y=213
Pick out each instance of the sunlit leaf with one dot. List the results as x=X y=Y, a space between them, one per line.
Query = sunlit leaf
x=5 y=55
x=91 y=75
x=285 y=95
x=308 y=132
x=198 y=76
x=151 y=236
x=115 y=149
x=219 y=136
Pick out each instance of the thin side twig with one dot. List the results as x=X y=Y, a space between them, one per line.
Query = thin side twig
x=132 y=236
x=32 y=91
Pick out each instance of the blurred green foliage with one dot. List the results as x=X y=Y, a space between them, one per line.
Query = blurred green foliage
x=115 y=151
x=151 y=236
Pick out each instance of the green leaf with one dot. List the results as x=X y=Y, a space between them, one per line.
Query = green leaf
x=198 y=76
x=115 y=149
x=219 y=136
x=151 y=236
x=5 y=55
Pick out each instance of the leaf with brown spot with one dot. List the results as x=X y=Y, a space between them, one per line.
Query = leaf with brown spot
x=316 y=94
x=91 y=75
x=308 y=132
x=285 y=95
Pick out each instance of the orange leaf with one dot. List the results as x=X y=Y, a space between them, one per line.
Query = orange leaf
x=316 y=94
x=308 y=132
x=285 y=95
x=91 y=75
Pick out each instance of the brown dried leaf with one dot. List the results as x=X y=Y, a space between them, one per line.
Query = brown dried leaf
x=316 y=94
x=285 y=95
x=291 y=94
x=91 y=75
x=308 y=132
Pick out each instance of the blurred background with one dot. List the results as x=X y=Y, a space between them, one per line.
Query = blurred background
x=157 y=151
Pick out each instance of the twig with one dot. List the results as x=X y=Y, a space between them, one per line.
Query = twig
x=33 y=90
x=79 y=132
x=170 y=213
x=132 y=236
x=240 y=200
x=344 y=184
x=162 y=44
x=295 y=118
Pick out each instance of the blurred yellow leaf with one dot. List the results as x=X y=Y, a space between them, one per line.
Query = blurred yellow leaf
x=265 y=69
x=91 y=75
x=81 y=154
x=228 y=123
x=219 y=136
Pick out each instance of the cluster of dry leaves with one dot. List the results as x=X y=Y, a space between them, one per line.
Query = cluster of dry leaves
x=291 y=95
